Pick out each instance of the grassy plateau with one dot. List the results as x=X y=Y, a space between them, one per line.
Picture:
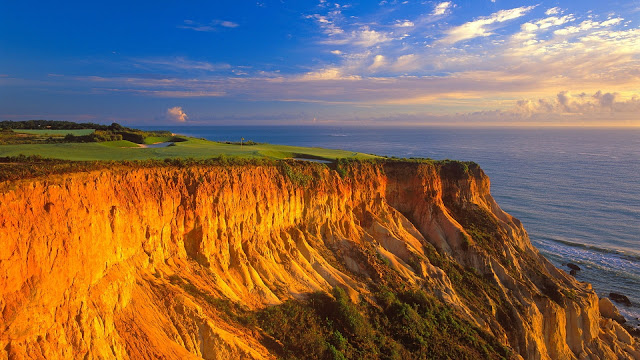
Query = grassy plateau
x=191 y=148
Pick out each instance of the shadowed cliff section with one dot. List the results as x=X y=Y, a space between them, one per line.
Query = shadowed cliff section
x=201 y=261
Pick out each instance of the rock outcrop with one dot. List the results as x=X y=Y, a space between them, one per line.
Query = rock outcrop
x=609 y=311
x=134 y=263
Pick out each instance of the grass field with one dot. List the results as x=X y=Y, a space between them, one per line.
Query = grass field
x=49 y=132
x=156 y=139
x=120 y=144
x=192 y=148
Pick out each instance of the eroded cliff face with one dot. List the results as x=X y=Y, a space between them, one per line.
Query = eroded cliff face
x=135 y=263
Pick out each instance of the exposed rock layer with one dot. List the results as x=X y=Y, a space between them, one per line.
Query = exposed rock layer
x=88 y=261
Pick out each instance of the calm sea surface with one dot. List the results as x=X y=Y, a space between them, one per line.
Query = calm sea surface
x=577 y=191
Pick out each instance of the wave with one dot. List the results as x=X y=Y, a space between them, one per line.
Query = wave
x=603 y=250
x=338 y=135
x=598 y=155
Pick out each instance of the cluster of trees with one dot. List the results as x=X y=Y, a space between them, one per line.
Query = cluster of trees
x=53 y=125
x=247 y=142
x=111 y=132
x=97 y=136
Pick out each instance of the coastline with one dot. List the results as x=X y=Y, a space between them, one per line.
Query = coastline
x=546 y=185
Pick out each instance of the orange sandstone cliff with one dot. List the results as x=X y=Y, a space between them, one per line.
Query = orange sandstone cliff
x=134 y=263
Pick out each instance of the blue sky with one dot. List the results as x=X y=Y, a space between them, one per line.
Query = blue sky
x=398 y=63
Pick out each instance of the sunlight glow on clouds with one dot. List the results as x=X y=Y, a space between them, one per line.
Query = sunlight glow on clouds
x=525 y=64
x=177 y=114
x=582 y=103
x=471 y=60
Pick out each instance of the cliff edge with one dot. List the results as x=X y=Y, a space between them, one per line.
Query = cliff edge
x=205 y=261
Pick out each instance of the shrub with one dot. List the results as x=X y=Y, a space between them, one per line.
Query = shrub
x=409 y=324
x=296 y=176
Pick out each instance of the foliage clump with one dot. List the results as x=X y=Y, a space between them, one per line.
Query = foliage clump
x=101 y=133
x=296 y=175
x=398 y=325
x=50 y=124
x=244 y=142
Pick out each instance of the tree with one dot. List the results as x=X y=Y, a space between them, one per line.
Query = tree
x=115 y=127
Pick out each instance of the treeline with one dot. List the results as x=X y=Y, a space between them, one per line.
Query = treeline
x=137 y=137
x=102 y=133
x=96 y=136
x=51 y=124
x=247 y=142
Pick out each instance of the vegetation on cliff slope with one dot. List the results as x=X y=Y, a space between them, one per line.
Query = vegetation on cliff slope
x=393 y=324
x=405 y=325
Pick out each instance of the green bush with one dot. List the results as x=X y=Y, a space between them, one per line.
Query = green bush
x=400 y=325
x=297 y=176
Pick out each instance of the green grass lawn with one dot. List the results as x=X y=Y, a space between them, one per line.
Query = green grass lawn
x=49 y=132
x=192 y=148
x=157 y=139
x=120 y=144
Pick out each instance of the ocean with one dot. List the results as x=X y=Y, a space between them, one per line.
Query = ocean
x=576 y=190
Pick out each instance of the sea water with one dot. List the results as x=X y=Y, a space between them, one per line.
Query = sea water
x=576 y=190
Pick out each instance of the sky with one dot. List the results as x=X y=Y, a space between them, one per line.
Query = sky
x=392 y=63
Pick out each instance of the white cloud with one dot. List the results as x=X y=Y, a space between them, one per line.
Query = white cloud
x=406 y=63
x=192 y=25
x=529 y=27
x=327 y=23
x=584 y=26
x=482 y=26
x=177 y=114
x=378 y=62
x=405 y=23
x=543 y=24
x=336 y=52
x=363 y=37
x=169 y=93
x=368 y=37
x=553 y=11
x=587 y=25
x=213 y=25
x=611 y=22
x=554 y=21
x=181 y=63
x=441 y=8
x=229 y=24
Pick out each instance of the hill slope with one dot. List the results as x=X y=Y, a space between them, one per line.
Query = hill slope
x=374 y=260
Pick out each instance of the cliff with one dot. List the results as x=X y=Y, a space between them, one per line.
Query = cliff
x=191 y=262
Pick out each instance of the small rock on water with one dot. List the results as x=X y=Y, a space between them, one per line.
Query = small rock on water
x=573 y=272
x=573 y=267
x=619 y=298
